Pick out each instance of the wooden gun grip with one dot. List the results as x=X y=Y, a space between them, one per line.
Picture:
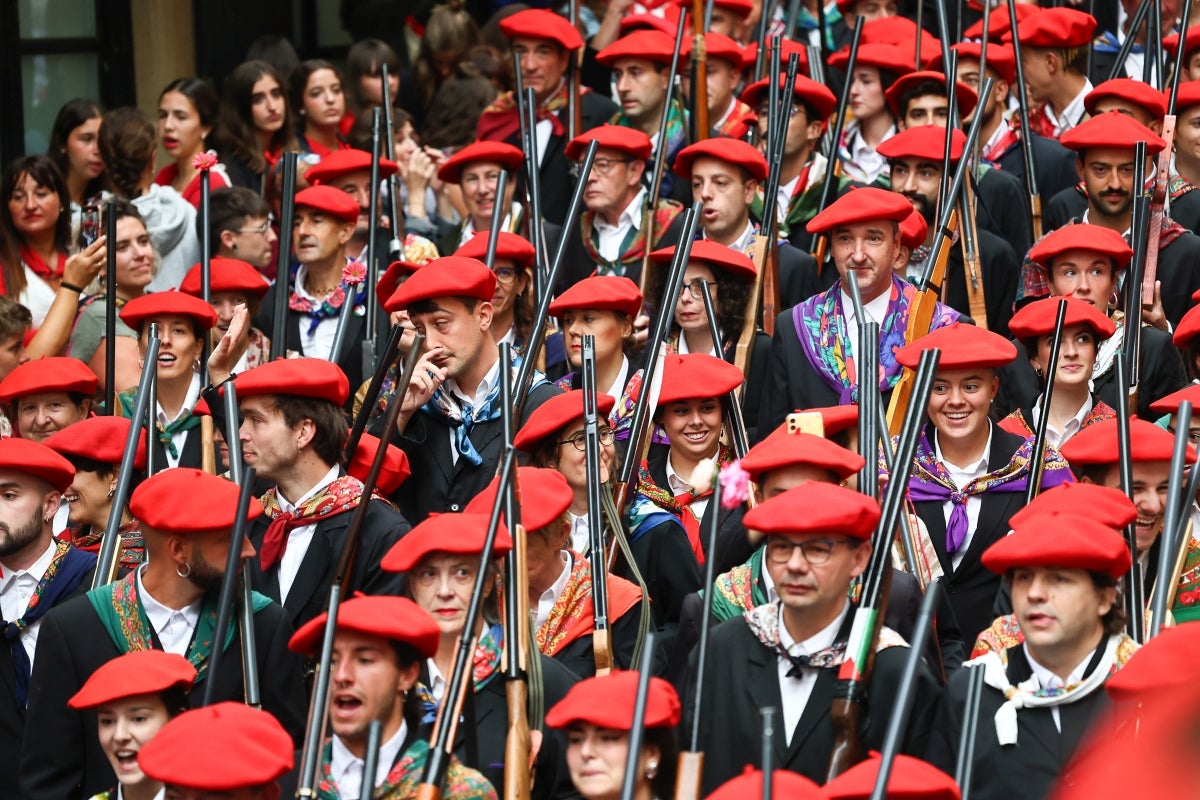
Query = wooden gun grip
x=687 y=777
x=518 y=745
x=602 y=651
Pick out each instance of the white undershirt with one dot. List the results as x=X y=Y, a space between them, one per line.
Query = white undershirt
x=1048 y=680
x=298 y=538
x=173 y=626
x=346 y=769
x=962 y=475
x=581 y=537
x=1072 y=115
x=1056 y=438
x=179 y=438
x=481 y=393
x=678 y=486
x=16 y=588
x=550 y=596
x=875 y=310
x=37 y=296
x=795 y=692
x=617 y=390
x=611 y=236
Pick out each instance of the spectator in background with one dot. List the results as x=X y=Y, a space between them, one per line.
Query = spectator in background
x=187 y=112
x=240 y=227
x=318 y=95
x=75 y=148
x=277 y=51
x=255 y=125
x=449 y=34
x=364 y=78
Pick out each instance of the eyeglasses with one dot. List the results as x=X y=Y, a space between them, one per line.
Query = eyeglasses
x=505 y=275
x=601 y=166
x=764 y=110
x=607 y=437
x=257 y=229
x=816 y=552
x=696 y=288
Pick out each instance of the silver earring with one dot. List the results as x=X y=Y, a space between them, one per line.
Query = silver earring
x=183 y=574
x=652 y=770
x=111 y=491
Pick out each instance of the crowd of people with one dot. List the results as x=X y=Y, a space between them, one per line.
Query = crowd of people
x=529 y=244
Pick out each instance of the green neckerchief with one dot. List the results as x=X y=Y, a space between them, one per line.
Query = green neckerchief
x=740 y=589
x=166 y=433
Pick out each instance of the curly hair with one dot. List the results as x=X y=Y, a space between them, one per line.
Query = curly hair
x=733 y=294
x=236 y=134
x=46 y=173
x=127 y=143
x=73 y=114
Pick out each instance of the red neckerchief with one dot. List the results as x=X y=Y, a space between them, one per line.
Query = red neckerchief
x=802 y=180
x=35 y=263
x=272 y=158
x=1007 y=140
x=323 y=151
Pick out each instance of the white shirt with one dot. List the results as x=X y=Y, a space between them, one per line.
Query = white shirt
x=173 y=626
x=1048 y=680
x=683 y=349
x=742 y=243
x=320 y=343
x=16 y=587
x=962 y=475
x=783 y=197
x=178 y=438
x=437 y=681
x=481 y=393
x=866 y=165
x=298 y=538
x=581 y=538
x=37 y=296
x=772 y=592
x=468 y=228
x=1056 y=438
x=794 y=692
x=1072 y=115
x=346 y=769
x=875 y=310
x=550 y=596
x=62 y=518
x=611 y=236
x=678 y=486
x=618 y=386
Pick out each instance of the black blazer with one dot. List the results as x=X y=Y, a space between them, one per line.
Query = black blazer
x=1055 y=166
x=64 y=759
x=1000 y=267
x=742 y=677
x=1004 y=208
x=309 y=595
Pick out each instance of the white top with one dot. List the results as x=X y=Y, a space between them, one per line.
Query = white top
x=320 y=343
x=481 y=393
x=1048 y=680
x=962 y=475
x=875 y=310
x=783 y=197
x=468 y=228
x=866 y=164
x=15 y=590
x=618 y=386
x=173 y=626
x=742 y=243
x=581 y=538
x=550 y=596
x=794 y=692
x=1072 y=115
x=683 y=349
x=346 y=769
x=37 y=296
x=178 y=438
x=298 y=538
x=1056 y=438
x=611 y=236
x=678 y=486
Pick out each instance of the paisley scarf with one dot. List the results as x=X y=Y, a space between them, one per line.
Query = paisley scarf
x=764 y=622
x=327 y=308
x=500 y=121
x=338 y=497
x=133 y=548
x=664 y=214
x=680 y=505
x=461 y=783
x=573 y=615
x=740 y=589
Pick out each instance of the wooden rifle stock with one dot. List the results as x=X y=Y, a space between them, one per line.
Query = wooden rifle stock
x=518 y=743
x=699 y=62
x=977 y=301
x=287 y=209
x=208 y=456
x=601 y=636
x=1158 y=200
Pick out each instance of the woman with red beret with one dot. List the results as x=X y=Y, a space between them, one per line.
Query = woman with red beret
x=233 y=283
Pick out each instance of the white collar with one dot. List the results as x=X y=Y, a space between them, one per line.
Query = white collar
x=875 y=309
x=287 y=506
x=618 y=388
x=818 y=641
x=36 y=570
x=484 y=388
x=732 y=105
x=1073 y=424
x=1049 y=680
x=977 y=467
x=1127 y=235
x=341 y=760
x=157 y=613
x=629 y=215
x=189 y=400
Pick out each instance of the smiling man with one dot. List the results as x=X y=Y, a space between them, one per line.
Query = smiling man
x=476 y=169
x=48 y=395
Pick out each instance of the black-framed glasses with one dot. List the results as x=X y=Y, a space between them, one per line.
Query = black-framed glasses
x=696 y=288
x=607 y=437
x=815 y=551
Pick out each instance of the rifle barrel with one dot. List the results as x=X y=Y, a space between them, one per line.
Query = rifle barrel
x=839 y=124
x=1043 y=422
x=1135 y=603
x=374 y=730
x=373 y=389
x=966 y=744
x=1179 y=51
x=110 y=310
x=768 y=751
x=497 y=221
x=1167 y=548
x=287 y=209
x=637 y=733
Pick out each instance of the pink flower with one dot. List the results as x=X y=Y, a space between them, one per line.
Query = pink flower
x=204 y=161
x=354 y=274
x=735 y=485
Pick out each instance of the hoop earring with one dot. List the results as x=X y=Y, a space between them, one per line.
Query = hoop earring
x=184 y=574
x=652 y=770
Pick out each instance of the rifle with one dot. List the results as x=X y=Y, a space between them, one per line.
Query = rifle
x=761 y=38
x=971 y=263
x=768 y=751
x=497 y=220
x=347 y=309
x=152 y=409
x=527 y=117
x=820 y=244
x=1173 y=97
x=1152 y=62
x=1158 y=200
x=110 y=313
x=965 y=764
x=1038 y=462
x=1135 y=602
x=637 y=732
x=904 y=694
x=737 y=422
x=849 y=696
x=656 y=169
x=246 y=610
x=691 y=761
x=441 y=749
x=1167 y=549
x=869 y=401
x=574 y=121
x=601 y=635
x=699 y=68
x=1133 y=278
x=110 y=551
x=1031 y=186
x=920 y=314
x=375 y=320
x=1139 y=18
x=373 y=389
x=639 y=439
x=375 y=729
x=518 y=744
x=287 y=210
x=205 y=264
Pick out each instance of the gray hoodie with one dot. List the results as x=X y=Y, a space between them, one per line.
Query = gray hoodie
x=171 y=222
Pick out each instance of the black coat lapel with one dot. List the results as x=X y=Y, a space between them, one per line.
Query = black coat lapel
x=314 y=566
x=762 y=684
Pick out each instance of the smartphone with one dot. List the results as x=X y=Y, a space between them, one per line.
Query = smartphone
x=89 y=229
x=806 y=422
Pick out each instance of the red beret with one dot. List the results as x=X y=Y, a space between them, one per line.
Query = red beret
x=396 y=618
x=717 y=45
x=646 y=45
x=736 y=263
x=538 y=23
x=132 y=674
x=557 y=413
x=865 y=204
x=607 y=702
x=1081 y=236
x=998 y=26
x=887 y=57
x=926 y=142
x=225 y=275
x=965 y=97
x=1164 y=405
x=509 y=246
x=1038 y=318
x=99 y=439
x=783 y=449
x=1104 y=504
x=815 y=507
x=696 y=376
x=389 y=281
x=804 y=89
x=1097 y=444
x=332 y=201
x=901 y=32
x=1134 y=92
x=1000 y=57
x=186 y=500
x=502 y=153
x=545 y=497
x=784 y=783
x=301 y=377
x=1154 y=668
x=647 y=22
x=1057 y=28
x=1189 y=91
x=38 y=460
x=786 y=48
x=167 y=304
x=459 y=534
x=612 y=292
x=1171 y=45
x=450 y=276
x=732 y=151
x=249 y=744
x=963 y=347
x=613 y=137
x=913 y=230
x=1076 y=543
x=49 y=374
x=910 y=779
x=1114 y=129
x=395 y=469
x=343 y=162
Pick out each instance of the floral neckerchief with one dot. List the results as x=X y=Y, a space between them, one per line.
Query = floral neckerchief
x=133 y=548
x=484 y=667
x=763 y=622
x=327 y=308
x=461 y=782
x=680 y=505
x=821 y=327
x=740 y=589
x=1016 y=422
x=664 y=214
x=340 y=496
x=573 y=614
x=500 y=120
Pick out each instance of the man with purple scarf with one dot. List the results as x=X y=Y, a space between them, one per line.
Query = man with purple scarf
x=812 y=357
x=969 y=475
